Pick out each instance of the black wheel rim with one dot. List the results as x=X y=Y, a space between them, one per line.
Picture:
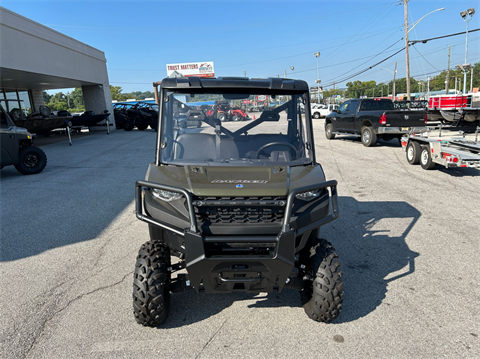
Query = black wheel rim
x=30 y=161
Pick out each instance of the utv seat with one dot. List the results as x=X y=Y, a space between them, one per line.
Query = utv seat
x=45 y=111
x=194 y=146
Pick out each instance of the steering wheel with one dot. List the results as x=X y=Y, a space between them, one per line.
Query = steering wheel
x=277 y=144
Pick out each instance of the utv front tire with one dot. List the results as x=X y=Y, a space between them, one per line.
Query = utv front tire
x=31 y=160
x=151 y=283
x=322 y=297
x=128 y=125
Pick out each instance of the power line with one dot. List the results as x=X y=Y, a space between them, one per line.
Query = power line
x=336 y=81
x=413 y=42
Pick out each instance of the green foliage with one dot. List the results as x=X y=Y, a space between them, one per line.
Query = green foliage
x=332 y=92
x=72 y=102
x=357 y=88
x=116 y=93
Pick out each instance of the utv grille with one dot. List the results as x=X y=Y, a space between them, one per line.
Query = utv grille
x=220 y=210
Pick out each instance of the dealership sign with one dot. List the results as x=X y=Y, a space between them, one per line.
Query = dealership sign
x=200 y=69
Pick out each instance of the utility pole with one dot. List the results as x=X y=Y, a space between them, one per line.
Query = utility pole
x=407 y=55
x=448 y=73
x=393 y=90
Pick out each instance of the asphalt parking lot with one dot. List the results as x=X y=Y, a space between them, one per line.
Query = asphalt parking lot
x=407 y=240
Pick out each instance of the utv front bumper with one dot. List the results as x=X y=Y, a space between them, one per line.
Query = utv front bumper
x=252 y=263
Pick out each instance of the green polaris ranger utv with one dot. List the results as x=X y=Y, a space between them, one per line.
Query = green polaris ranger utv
x=239 y=203
x=16 y=145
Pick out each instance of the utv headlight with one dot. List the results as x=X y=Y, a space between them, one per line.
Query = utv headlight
x=309 y=195
x=166 y=196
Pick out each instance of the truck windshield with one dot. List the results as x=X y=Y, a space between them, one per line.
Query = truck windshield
x=234 y=129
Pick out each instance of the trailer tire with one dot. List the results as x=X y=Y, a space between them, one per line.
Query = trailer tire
x=151 y=283
x=413 y=152
x=426 y=159
x=369 y=138
x=329 y=131
x=322 y=299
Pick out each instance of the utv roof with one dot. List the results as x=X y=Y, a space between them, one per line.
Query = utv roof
x=234 y=83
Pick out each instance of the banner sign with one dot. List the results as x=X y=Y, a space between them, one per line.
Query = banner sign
x=200 y=69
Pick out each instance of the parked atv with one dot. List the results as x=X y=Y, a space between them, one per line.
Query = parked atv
x=17 y=148
x=241 y=208
x=223 y=111
x=135 y=114
x=121 y=117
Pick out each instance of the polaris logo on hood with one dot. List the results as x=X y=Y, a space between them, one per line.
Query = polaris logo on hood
x=239 y=181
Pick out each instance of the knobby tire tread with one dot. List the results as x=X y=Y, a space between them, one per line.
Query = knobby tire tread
x=323 y=300
x=151 y=295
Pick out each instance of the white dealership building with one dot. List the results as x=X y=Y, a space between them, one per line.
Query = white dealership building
x=34 y=58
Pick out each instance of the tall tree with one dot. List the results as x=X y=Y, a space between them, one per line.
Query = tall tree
x=116 y=92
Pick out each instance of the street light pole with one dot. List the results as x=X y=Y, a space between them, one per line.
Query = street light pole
x=463 y=14
x=317 y=55
x=407 y=30
x=394 y=73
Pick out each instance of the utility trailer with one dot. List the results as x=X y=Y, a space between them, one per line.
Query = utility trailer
x=430 y=150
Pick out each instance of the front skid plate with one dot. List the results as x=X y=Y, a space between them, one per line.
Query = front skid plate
x=225 y=274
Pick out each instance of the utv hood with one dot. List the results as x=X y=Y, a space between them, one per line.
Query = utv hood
x=228 y=181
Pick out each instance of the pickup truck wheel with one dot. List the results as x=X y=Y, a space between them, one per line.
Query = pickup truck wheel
x=31 y=160
x=413 y=152
x=151 y=282
x=369 y=138
x=316 y=115
x=322 y=297
x=329 y=131
x=426 y=159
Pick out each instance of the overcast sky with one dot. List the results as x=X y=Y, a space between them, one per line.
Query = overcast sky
x=262 y=38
